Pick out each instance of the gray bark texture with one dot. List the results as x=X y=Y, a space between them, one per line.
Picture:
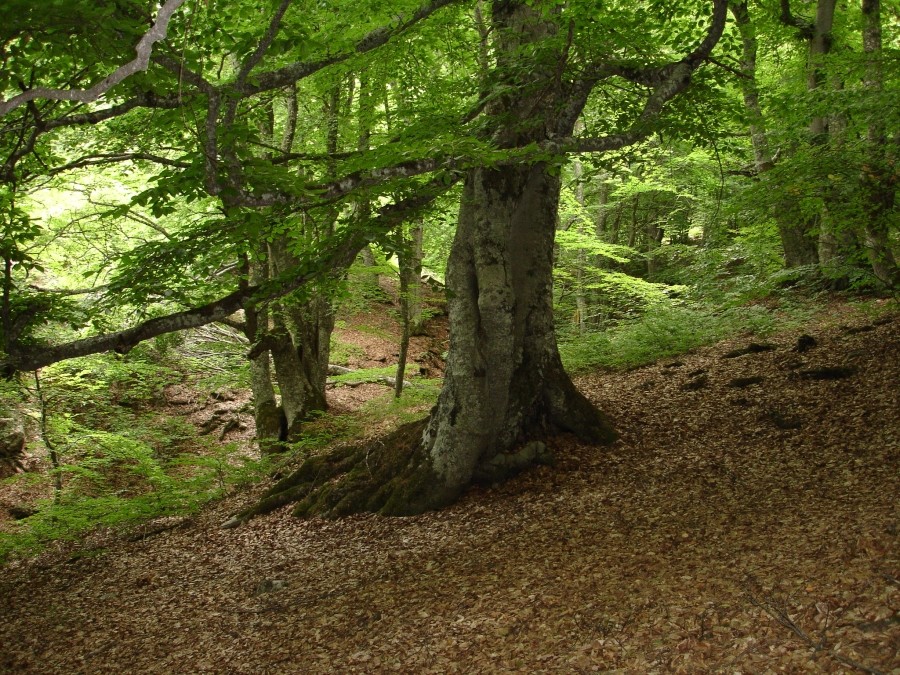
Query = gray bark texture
x=268 y=415
x=300 y=345
x=504 y=381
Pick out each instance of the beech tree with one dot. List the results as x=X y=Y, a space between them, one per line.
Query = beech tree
x=539 y=66
x=505 y=387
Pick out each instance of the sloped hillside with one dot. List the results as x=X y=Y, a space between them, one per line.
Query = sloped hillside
x=746 y=521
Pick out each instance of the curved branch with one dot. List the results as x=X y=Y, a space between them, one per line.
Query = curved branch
x=264 y=44
x=156 y=33
x=114 y=158
x=289 y=74
x=804 y=26
x=146 y=100
x=338 y=257
x=669 y=81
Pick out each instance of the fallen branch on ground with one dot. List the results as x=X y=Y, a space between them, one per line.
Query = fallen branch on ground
x=777 y=612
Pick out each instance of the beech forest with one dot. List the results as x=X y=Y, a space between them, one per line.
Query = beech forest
x=449 y=336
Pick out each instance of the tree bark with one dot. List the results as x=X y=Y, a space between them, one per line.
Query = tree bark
x=269 y=417
x=834 y=241
x=409 y=259
x=505 y=388
x=504 y=380
x=799 y=246
x=414 y=283
x=878 y=188
x=581 y=310
x=300 y=345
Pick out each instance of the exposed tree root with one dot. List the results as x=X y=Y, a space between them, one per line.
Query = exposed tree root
x=394 y=475
x=388 y=476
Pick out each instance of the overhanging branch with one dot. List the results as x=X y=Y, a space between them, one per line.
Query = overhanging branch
x=338 y=257
x=116 y=157
x=144 y=47
x=297 y=71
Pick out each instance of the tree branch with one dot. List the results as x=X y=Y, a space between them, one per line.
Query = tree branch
x=336 y=257
x=144 y=47
x=253 y=60
x=146 y=100
x=380 y=36
x=114 y=158
x=804 y=26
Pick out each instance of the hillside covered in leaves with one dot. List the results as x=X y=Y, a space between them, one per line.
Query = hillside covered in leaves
x=745 y=521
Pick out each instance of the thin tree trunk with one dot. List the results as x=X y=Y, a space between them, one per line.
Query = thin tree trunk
x=613 y=237
x=404 y=257
x=55 y=462
x=300 y=345
x=633 y=224
x=877 y=188
x=581 y=260
x=415 y=287
x=602 y=208
x=833 y=242
x=799 y=247
x=270 y=420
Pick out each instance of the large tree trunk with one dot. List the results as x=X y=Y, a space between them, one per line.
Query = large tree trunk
x=504 y=381
x=505 y=388
x=836 y=243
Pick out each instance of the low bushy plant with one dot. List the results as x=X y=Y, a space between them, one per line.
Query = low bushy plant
x=663 y=331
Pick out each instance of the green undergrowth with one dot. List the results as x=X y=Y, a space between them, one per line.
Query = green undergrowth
x=366 y=375
x=667 y=330
x=122 y=457
x=127 y=488
x=320 y=432
x=342 y=352
x=414 y=402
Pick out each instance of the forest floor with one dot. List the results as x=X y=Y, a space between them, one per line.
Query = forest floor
x=746 y=521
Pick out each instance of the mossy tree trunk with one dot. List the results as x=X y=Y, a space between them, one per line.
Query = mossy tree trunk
x=505 y=387
x=296 y=333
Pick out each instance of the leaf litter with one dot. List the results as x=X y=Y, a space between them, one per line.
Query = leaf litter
x=731 y=529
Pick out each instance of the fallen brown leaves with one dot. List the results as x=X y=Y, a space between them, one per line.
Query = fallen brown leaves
x=710 y=538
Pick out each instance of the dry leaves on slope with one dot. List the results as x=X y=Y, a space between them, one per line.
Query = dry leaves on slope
x=710 y=538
